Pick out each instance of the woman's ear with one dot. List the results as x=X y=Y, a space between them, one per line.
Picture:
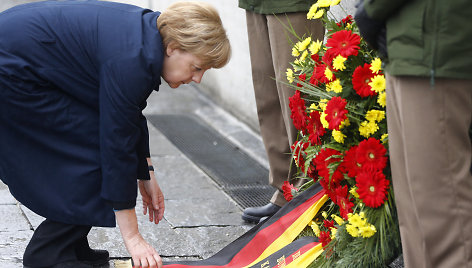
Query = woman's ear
x=171 y=47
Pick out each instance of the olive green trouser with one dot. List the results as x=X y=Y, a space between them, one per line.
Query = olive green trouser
x=430 y=155
x=270 y=51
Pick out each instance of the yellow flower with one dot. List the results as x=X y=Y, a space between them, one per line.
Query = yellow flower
x=384 y=138
x=324 y=214
x=296 y=62
x=335 y=2
x=345 y=123
x=314 y=13
x=367 y=231
x=333 y=232
x=367 y=128
x=323 y=120
x=334 y=86
x=378 y=83
x=352 y=230
x=338 y=63
x=313 y=106
x=329 y=74
x=323 y=103
x=315 y=228
x=358 y=226
x=375 y=115
x=382 y=99
x=303 y=56
x=324 y=3
x=355 y=219
x=317 y=15
x=338 y=136
x=376 y=65
x=315 y=47
x=290 y=76
x=295 y=51
x=354 y=193
x=304 y=44
x=337 y=219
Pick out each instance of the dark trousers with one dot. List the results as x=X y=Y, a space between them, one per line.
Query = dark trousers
x=54 y=242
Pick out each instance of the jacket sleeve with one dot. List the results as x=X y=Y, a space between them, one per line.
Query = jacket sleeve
x=380 y=10
x=125 y=84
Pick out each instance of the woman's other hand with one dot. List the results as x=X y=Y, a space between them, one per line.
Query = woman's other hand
x=153 y=199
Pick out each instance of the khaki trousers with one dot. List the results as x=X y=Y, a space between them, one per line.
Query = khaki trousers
x=270 y=48
x=430 y=155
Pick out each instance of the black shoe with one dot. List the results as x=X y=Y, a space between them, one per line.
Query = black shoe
x=91 y=256
x=72 y=264
x=254 y=214
x=95 y=257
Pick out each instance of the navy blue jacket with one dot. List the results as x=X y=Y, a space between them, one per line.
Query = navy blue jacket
x=74 y=79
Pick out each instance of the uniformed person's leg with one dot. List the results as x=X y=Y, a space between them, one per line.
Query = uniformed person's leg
x=270 y=56
x=433 y=190
x=269 y=112
x=281 y=43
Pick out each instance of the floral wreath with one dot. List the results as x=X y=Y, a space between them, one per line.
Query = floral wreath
x=339 y=111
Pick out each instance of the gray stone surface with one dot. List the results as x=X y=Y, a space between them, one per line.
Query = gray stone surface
x=5 y=197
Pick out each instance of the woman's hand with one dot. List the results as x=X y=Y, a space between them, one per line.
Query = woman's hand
x=142 y=254
x=153 y=199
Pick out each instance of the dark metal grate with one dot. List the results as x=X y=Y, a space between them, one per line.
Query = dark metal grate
x=235 y=172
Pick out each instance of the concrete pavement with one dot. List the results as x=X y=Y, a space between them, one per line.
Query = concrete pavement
x=199 y=219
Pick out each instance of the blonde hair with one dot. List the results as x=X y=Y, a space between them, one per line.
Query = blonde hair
x=196 y=27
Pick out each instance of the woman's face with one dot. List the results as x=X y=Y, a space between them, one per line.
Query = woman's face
x=181 y=67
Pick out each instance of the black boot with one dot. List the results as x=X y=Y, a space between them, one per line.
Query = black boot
x=90 y=256
x=254 y=214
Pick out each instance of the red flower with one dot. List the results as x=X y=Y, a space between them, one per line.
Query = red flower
x=315 y=128
x=350 y=164
x=311 y=172
x=361 y=79
x=328 y=224
x=297 y=106
x=342 y=200
x=287 y=189
x=316 y=58
x=372 y=188
x=328 y=57
x=325 y=157
x=335 y=112
x=370 y=155
x=302 y=78
x=320 y=76
x=325 y=238
x=313 y=79
x=343 y=43
x=345 y=21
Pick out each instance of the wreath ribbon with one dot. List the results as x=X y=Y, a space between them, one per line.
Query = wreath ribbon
x=271 y=242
